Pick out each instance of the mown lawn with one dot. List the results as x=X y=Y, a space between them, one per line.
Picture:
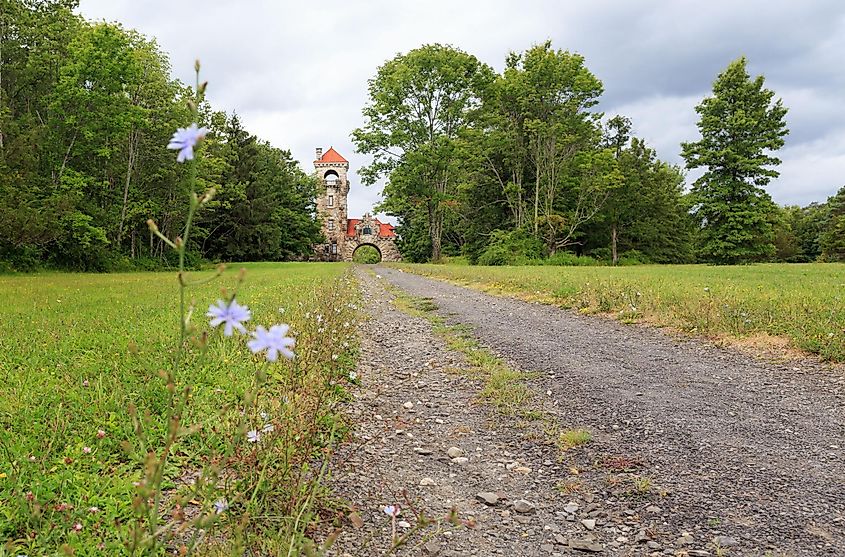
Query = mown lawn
x=804 y=303
x=78 y=350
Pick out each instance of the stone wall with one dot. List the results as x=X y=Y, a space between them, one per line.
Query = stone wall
x=385 y=246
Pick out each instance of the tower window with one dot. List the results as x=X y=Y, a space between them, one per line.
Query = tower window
x=334 y=248
x=331 y=178
x=331 y=224
x=367 y=230
x=331 y=201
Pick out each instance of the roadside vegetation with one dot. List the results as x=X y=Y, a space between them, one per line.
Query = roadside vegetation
x=803 y=304
x=83 y=401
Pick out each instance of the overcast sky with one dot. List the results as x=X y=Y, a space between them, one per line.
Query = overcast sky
x=296 y=72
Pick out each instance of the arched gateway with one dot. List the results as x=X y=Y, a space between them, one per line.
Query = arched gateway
x=345 y=235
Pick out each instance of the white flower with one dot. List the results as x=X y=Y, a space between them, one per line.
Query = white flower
x=185 y=139
x=253 y=436
x=220 y=506
x=232 y=314
x=273 y=341
x=268 y=428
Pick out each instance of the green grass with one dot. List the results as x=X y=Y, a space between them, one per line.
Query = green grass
x=803 y=303
x=78 y=350
x=572 y=438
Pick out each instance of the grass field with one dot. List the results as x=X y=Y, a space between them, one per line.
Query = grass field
x=77 y=351
x=803 y=303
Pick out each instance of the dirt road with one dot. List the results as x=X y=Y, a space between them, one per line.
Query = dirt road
x=696 y=450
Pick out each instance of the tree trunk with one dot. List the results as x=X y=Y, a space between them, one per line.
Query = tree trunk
x=2 y=31
x=613 y=243
x=436 y=232
x=132 y=147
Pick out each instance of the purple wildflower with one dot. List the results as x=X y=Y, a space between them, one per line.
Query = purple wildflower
x=220 y=506
x=232 y=314
x=273 y=341
x=253 y=436
x=391 y=510
x=185 y=139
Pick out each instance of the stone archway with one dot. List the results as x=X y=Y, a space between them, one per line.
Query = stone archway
x=385 y=246
x=364 y=245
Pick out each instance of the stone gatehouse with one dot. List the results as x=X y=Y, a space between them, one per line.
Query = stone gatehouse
x=344 y=235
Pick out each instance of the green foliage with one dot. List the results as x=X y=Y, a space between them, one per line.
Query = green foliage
x=419 y=104
x=262 y=210
x=740 y=128
x=367 y=255
x=832 y=237
x=648 y=211
x=567 y=259
x=86 y=113
x=531 y=156
x=515 y=247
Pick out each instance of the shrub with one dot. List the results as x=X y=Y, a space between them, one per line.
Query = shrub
x=511 y=248
x=633 y=257
x=567 y=259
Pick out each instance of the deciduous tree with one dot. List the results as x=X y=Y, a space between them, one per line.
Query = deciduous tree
x=420 y=102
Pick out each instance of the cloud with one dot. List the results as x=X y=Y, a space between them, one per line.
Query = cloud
x=297 y=72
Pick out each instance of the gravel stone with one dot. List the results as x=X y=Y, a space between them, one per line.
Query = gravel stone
x=487 y=497
x=523 y=506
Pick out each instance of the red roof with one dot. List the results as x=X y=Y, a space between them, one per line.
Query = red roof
x=350 y=226
x=332 y=156
x=385 y=229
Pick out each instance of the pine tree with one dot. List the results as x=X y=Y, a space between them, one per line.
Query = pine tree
x=740 y=128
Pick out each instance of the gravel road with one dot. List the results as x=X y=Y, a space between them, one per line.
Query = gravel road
x=733 y=455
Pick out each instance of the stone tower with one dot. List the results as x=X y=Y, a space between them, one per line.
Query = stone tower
x=333 y=189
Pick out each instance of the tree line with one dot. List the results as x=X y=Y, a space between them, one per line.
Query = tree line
x=86 y=112
x=518 y=166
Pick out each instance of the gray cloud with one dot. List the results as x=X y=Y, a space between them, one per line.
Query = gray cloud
x=297 y=73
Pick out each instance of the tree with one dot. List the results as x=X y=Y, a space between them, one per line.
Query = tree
x=647 y=212
x=807 y=224
x=86 y=112
x=539 y=142
x=832 y=237
x=420 y=102
x=740 y=128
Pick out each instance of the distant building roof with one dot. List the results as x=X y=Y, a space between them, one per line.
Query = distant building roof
x=332 y=156
x=385 y=229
